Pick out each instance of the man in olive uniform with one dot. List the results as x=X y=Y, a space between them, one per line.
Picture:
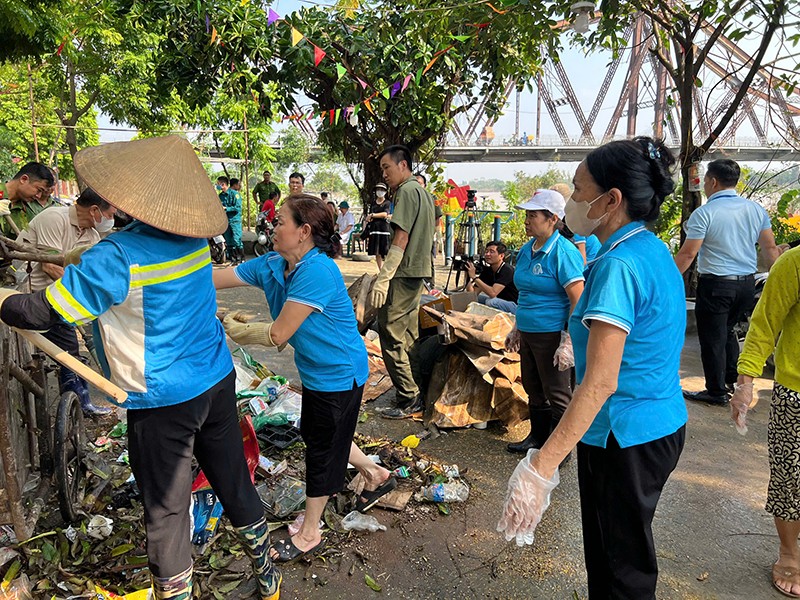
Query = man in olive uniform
x=264 y=188
x=29 y=183
x=398 y=288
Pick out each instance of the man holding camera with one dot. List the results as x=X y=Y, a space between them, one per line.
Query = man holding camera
x=495 y=283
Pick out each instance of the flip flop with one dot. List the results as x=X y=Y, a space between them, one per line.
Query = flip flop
x=288 y=552
x=371 y=497
x=787 y=574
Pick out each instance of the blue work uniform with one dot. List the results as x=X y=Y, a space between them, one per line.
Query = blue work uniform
x=633 y=283
x=232 y=203
x=153 y=304
x=540 y=277
x=591 y=245
x=329 y=352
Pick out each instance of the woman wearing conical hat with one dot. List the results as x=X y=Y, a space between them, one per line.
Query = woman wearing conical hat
x=149 y=292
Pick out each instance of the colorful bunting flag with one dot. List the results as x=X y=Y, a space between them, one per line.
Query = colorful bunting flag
x=362 y=82
x=296 y=37
x=406 y=81
x=331 y=114
x=336 y=119
x=369 y=106
x=340 y=71
x=273 y=16
x=395 y=88
x=461 y=38
x=213 y=35
x=208 y=24
x=319 y=54
x=430 y=64
x=385 y=92
x=499 y=12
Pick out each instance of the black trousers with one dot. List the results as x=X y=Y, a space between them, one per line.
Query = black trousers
x=619 y=491
x=721 y=303
x=545 y=385
x=161 y=442
x=327 y=423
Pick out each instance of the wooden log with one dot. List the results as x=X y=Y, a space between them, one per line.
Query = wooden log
x=19 y=251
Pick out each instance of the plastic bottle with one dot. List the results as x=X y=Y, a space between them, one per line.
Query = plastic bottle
x=355 y=521
x=456 y=491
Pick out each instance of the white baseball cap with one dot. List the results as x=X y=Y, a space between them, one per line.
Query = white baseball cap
x=545 y=200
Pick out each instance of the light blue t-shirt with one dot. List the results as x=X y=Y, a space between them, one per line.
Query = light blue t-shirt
x=154 y=305
x=328 y=350
x=634 y=284
x=592 y=245
x=729 y=226
x=541 y=277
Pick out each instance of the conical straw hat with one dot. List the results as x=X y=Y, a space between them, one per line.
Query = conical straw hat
x=159 y=181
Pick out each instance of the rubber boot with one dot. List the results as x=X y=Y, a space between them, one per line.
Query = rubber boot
x=540 y=431
x=241 y=254
x=255 y=540
x=177 y=587
x=68 y=381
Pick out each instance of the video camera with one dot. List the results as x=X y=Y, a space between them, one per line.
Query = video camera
x=471 y=204
x=461 y=261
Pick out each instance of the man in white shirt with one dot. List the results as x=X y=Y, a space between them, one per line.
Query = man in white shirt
x=61 y=229
x=346 y=222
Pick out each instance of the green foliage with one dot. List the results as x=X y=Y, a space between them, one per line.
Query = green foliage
x=29 y=28
x=16 y=135
x=783 y=230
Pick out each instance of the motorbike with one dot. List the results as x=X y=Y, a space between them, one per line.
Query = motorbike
x=265 y=233
x=216 y=246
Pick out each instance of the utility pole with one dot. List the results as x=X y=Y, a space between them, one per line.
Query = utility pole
x=33 y=114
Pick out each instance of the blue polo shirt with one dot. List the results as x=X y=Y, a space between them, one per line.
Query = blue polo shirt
x=541 y=277
x=591 y=243
x=328 y=350
x=634 y=284
x=729 y=226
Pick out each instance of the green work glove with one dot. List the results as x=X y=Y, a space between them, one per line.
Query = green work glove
x=247 y=333
x=377 y=297
x=73 y=255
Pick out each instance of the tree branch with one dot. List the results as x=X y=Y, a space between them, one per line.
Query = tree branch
x=771 y=27
x=717 y=33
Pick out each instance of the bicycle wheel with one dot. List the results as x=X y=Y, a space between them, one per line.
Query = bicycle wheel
x=68 y=449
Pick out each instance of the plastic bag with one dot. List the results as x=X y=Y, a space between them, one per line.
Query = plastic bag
x=355 y=521
x=251 y=454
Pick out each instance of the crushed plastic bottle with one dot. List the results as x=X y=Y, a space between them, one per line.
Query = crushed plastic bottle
x=401 y=472
x=456 y=491
x=355 y=521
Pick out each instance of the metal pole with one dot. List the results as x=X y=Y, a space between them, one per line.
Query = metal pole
x=33 y=114
x=472 y=245
x=496 y=229
x=448 y=239
x=516 y=124
x=246 y=171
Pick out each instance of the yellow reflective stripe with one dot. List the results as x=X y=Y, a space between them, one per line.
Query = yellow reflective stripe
x=169 y=271
x=66 y=305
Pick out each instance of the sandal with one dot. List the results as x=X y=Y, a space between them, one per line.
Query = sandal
x=288 y=552
x=369 y=498
x=789 y=574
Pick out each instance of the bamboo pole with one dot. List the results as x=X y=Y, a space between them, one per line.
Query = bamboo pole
x=246 y=170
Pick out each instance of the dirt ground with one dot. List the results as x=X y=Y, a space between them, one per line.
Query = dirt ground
x=714 y=539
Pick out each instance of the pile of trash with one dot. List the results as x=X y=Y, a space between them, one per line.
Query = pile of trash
x=103 y=555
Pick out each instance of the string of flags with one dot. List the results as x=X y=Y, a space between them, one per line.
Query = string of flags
x=334 y=114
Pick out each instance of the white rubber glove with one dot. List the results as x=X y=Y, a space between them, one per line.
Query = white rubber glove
x=377 y=297
x=247 y=333
x=741 y=401
x=5 y=207
x=527 y=497
x=564 y=357
x=512 y=340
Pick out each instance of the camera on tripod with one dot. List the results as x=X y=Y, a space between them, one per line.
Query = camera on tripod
x=471 y=204
x=462 y=261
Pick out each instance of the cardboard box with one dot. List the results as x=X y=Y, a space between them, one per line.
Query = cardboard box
x=457 y=301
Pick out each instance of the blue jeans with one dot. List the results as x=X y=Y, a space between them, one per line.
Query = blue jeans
x=497 y=303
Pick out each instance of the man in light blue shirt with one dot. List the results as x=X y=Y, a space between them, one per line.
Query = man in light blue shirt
x=723 y=234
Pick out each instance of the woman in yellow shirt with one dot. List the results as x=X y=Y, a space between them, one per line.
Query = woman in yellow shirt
x=776 y=320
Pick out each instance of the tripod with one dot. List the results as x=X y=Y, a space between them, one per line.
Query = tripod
x=468 y=234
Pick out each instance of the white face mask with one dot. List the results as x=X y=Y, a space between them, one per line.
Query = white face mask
x=577 y=219
x=380 y=194
x=105 y=224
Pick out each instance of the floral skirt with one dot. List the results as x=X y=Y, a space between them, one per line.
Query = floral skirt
x=783 y=439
